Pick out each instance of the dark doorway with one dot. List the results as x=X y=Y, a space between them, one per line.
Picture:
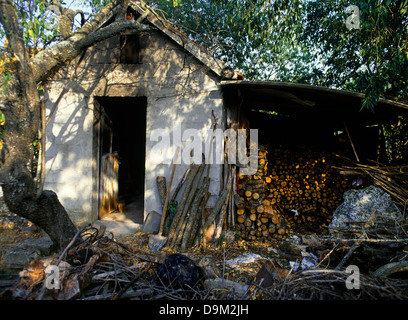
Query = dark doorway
x=123 y=131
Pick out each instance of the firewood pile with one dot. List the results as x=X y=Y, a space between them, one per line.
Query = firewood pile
x=293 y=190
x=258 y=211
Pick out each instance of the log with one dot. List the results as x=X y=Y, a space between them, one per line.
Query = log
x=272 y=228
x=248 y=222
x=238 y=201
x=391 y=268
x=260 y=209
x=264 y=220
x=194 y=217
x=241 y=218
x=182 y=203
x=213 y=214
x=223 y=210
x=269 y=211
x=179 y=231
x=231 y=207
x=180 y=185
x=162 y=188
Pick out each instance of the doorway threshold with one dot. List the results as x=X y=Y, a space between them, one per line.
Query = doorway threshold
x=127 y=222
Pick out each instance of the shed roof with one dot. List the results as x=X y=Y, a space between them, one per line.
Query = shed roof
x=300 y=99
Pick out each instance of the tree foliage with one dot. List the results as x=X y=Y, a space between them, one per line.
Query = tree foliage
x=372 y=58
x=304 y=41
x=254 y=37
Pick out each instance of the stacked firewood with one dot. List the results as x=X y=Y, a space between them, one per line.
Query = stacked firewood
x=257 y=217
x=306 y=185
x=293 y=190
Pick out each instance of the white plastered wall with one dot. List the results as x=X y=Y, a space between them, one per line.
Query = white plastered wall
x=178 y=89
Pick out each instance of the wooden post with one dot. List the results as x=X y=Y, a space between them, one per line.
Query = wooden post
x=162 y=188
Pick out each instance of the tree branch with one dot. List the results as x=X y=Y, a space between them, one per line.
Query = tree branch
x=14 y=34
x=51 y=58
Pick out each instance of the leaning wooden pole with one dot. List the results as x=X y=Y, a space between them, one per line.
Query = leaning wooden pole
x=223 y=209
x=183 y=200
x=182 y=221
x=193 y=218
x=213 y=214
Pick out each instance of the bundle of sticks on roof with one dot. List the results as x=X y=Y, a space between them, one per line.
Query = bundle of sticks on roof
x=293 y=190
x=392 y=179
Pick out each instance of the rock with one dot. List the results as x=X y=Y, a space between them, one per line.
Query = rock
x=291 y=250
x=178 y=271
x=29 y=250
x=245 y=258
x=237 y=288
x=152 y=223
x=270 y=273
x=358 y=205
x=209 y=268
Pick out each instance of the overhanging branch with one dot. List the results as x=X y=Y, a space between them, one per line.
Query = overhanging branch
x=54 y=57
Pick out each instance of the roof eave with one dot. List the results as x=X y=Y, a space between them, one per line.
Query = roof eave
x=286 y=85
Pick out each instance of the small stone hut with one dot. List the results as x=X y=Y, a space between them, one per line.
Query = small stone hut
x=121 y=91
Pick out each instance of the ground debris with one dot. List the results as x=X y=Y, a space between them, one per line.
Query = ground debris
x=102 y=267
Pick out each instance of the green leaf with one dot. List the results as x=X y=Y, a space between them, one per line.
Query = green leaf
x=7 y=76
x=2 y=119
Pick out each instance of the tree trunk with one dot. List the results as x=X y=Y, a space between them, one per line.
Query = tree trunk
x=22 y=110
x=20 y=196
x=21 y=106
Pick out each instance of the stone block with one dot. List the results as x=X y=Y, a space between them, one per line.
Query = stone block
x=152 y=222
x=359 y=205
